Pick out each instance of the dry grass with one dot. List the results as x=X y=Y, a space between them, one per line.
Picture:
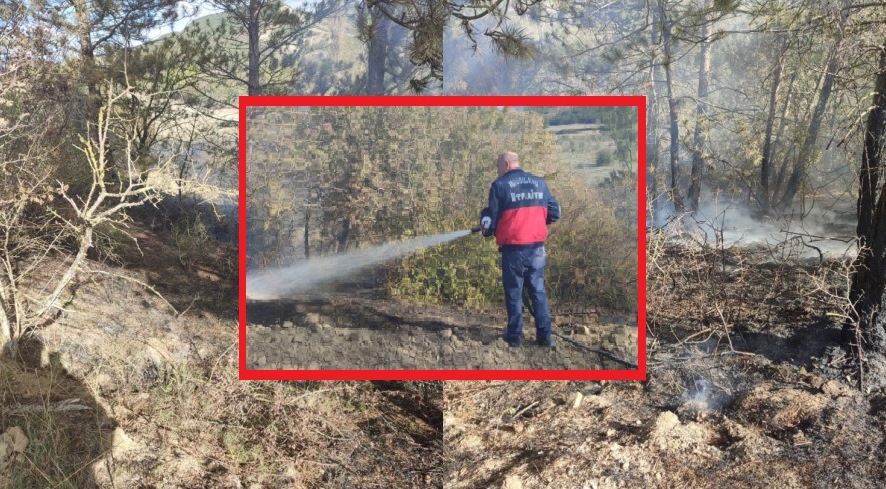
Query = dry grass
x=699 y=290
x=62 y=445
x=740 y=391
x=310 y=432
x=777 y=427
x=196 y=425
x=165 y=407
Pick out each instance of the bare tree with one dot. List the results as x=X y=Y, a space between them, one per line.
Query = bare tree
x=653 y=138
x=807 y=150
x=766 y=157
x=47 y=230
x=673 y=123
x=699 y=138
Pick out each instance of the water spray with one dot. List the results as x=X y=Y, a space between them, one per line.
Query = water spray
x=306 y=276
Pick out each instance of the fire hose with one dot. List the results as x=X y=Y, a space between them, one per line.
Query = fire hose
x=602 y=353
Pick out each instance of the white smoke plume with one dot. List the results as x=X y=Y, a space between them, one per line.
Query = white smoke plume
x=279 y=283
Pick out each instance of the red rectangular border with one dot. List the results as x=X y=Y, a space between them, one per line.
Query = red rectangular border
x=444 y=101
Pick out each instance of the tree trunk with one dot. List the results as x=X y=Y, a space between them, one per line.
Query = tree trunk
x=378 y=48
x=652 y=138
x=253 y=31
x=87 y=52
x=868 y=289
x=804 y=157
x=673 y=121
x=307 y=234
x=11 y=307
x=71 y=272
x=5 y=328
x=701 y=122
x=775 y=189
x=89 y=78
x=343 y=237
x=766 y=159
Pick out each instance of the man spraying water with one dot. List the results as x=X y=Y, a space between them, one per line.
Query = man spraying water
x=520 y=208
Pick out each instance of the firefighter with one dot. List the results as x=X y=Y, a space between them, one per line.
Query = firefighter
x=520 y=208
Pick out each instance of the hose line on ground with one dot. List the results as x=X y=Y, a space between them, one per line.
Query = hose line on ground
x=602 y=353
x=528 y=304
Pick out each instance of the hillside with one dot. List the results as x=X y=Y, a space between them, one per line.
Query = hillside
x=328 y=61
x=151 y=398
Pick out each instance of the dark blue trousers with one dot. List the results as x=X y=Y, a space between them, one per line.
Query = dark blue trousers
x=525 y=266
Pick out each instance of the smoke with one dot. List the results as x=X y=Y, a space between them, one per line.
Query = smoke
x=699 y=393
x=303 y=277
x=702 y=396
x=485 y=71
x=816 y=233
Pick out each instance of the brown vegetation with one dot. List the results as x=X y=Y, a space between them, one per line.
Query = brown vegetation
x=156 y=397
x=745 y=388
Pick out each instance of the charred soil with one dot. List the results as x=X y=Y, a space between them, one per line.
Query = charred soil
x=746 y=387
x=346 y=332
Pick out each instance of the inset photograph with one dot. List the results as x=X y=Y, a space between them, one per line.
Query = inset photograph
x=436 y=241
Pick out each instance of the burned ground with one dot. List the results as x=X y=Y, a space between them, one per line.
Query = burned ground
x=745 y=388
x=345 y=332
x=161 y=391
x=779 y=429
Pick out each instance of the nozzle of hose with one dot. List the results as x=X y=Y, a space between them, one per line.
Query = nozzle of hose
x=476 y=229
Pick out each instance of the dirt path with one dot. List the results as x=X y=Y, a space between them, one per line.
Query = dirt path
x=348 y=333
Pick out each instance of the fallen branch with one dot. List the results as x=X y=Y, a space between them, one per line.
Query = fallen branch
x=725 y=324
x=669 y=362
x=61 y=406
x=139 y=282
x=527 y=408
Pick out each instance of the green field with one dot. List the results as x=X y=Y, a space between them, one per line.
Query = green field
x=590 y=150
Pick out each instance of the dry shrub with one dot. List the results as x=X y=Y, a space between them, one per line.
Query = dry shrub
x=592 y=258
x=700 y=286
x=466 y=272
x=354 y=177
x=592 y=254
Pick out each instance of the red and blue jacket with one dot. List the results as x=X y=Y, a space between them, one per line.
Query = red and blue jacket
x=521 y=207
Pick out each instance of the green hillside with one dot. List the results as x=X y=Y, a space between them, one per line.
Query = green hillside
x=326 y=62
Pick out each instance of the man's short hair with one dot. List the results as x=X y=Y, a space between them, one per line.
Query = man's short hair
x=509 y=157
